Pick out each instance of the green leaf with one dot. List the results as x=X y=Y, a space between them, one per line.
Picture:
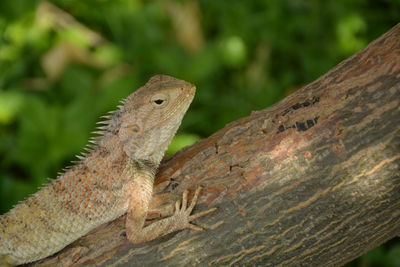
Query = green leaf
x=10 y=103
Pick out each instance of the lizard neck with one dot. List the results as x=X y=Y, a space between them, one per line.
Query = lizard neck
x=111 y=151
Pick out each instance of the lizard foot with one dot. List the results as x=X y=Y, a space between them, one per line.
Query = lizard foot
x=182 y=211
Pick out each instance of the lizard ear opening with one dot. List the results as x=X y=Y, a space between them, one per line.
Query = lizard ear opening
x=160 y=100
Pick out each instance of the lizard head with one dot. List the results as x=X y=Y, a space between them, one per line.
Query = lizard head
x=151 y=116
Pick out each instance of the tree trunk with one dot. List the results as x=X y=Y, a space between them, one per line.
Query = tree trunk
x=311 y=181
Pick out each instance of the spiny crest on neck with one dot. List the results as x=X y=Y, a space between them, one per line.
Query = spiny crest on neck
x=106 y=127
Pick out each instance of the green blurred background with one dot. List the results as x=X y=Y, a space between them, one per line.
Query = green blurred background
x=65 y=63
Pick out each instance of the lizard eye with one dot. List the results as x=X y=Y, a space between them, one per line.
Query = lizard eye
x=160 y=100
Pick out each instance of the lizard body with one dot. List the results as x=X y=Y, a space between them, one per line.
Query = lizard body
x=114 y=178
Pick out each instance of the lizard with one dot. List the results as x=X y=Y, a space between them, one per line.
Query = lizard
x=114 y=177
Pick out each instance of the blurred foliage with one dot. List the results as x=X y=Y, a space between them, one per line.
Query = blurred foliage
x=65 y=63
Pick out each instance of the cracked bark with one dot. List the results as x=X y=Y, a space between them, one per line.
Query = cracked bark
x=311 y=181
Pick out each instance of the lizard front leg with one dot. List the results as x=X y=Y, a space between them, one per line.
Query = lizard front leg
x=137 y=233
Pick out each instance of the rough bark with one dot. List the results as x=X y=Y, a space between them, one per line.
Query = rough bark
x=311 y=181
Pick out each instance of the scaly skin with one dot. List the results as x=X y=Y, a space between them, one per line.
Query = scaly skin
x=114 y=178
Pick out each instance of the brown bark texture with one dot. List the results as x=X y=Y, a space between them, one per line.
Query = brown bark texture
x=312 y=181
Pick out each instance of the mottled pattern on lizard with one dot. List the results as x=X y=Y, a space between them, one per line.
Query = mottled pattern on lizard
x=115 y=177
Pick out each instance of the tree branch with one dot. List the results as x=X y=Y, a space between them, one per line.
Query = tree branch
x=311 y=181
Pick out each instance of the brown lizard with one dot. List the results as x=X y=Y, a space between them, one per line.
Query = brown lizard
x=115 y=177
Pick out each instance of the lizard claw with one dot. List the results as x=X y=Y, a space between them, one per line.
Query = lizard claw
x=183 y=211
